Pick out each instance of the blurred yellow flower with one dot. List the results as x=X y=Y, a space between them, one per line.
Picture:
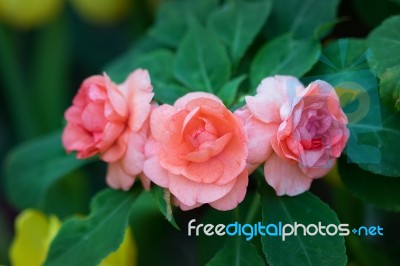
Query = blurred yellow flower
x=35 y=231
x=125 y=254
x=28 y=14
x=102 y=11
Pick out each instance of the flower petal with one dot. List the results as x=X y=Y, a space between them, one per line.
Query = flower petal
x=181 y=102
x=317 y=172
x=153 y=170
x=139 y=93
x=284 y=177
x=117 y=178
x=190 y=192
x=235 y=196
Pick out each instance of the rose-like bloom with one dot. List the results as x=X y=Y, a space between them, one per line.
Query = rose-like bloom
x=298 y=132
x=112 y=121
x=198 y=151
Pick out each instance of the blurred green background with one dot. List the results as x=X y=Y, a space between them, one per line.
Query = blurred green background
x=47 y=47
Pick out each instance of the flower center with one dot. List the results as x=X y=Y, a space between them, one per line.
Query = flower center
x=200 y=135
x=316 y=143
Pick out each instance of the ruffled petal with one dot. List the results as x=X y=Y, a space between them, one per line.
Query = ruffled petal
x=235 y=196
x=284 y=177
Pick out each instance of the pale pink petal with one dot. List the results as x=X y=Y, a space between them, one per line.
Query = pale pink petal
x=92 y=86
x=286 y=86
x=138 y=92
x=284 y=177
x=259 y=140
x=272 y=93
x=76 y=138
x=319 y=88
x=205 y=172
x=116 y=177
x=187 y=119
x=116 y=98
x=234 y=159
x=111 y=133
x=235 y=196
x=182 y=206
x=190 y=192
x=132 y=161
x=171 y=160
x=115 y=153
x=317 y=172
x=311 y=157
x=160 y=121
x=153 y=170
x=151 y=147
x=181 y=102
x=92 y=117
x=209 y=149
x=73 y=115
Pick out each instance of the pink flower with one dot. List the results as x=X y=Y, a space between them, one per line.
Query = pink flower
x=298 y=132
x=198 y=151
x=112 y=121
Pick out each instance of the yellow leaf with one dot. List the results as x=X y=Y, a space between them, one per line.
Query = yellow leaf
x=34 y=233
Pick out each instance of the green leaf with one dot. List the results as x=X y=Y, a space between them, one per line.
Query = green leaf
x=379 y=190
x=237 y=251
x=87 y=241
x=384 y=59
x=162 y=197
x=70 y=195
x=202 y=63
x=169 y=93
x=384 y=138
x=228 y=92
x=301 y=18
x=159 y=64
x=33 y=167
x=384 y=43
x=174 y=17
x=340 y=56
x=284 y=56
x=120 y=68
x=325 y=28
x=300 y=250
x=390 y=88
x=237 y=25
